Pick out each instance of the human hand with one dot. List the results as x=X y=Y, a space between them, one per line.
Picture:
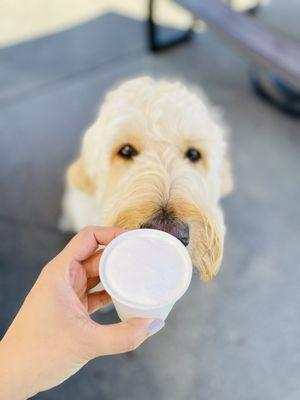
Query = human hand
x=53 y=336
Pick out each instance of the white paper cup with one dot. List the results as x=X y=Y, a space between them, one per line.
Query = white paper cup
x=160 y=246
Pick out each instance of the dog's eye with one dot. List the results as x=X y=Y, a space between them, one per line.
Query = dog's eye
x=193 y=154
x=127 y=151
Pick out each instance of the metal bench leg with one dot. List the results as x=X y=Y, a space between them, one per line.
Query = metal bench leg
x=276 y=91
x=156 y=42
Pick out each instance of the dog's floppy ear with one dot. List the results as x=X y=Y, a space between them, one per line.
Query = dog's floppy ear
x=226 y=178
x=77 y=177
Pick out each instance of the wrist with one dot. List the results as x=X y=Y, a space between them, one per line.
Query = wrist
x=15 y=375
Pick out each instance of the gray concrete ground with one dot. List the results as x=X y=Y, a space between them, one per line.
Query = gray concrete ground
x=236 y=338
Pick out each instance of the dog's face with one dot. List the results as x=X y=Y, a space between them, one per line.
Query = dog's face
x=156 y=158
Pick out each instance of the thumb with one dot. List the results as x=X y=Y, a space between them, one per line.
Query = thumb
x=123 y=336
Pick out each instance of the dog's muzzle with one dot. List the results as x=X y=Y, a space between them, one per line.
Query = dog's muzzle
x=170 y=224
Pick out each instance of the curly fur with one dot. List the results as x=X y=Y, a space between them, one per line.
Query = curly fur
x=161 y=120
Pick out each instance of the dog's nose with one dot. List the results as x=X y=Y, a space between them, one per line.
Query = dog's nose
x=169 y=224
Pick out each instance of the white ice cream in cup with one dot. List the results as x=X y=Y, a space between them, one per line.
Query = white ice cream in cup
x=145 y=271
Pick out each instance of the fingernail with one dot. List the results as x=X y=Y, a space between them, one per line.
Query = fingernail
x=155 y=326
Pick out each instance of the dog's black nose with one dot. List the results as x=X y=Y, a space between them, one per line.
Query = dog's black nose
x=170 y=224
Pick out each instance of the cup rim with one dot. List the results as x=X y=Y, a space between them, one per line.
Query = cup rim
x=134 y=232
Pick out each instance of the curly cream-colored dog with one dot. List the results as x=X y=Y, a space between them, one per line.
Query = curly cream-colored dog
x=156 y=158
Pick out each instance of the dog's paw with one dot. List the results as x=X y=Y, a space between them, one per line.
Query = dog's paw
x=64 y=224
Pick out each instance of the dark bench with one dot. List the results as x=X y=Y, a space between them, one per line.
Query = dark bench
x=266 y=47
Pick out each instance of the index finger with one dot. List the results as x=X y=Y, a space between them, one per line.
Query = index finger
x=86 y=242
